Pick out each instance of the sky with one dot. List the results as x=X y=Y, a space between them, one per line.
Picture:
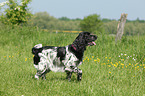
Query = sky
x=72 y=9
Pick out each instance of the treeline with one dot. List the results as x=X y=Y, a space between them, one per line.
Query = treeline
x=45 y=21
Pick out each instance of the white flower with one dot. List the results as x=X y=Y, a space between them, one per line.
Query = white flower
x=119 y=56
x=121 y=53
x=125 y=54
x=134 y=59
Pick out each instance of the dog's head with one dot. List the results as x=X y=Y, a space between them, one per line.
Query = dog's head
x=85 y=39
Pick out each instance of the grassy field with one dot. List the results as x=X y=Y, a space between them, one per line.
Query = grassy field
x=108 y=69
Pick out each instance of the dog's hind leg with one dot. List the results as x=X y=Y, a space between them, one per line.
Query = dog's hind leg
x=37 y=75
x=43 y=75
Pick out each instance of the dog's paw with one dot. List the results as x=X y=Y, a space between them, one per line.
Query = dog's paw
x=37 y=77
x=79 y=78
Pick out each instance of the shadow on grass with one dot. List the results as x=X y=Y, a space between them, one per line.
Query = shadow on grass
x=56 y=77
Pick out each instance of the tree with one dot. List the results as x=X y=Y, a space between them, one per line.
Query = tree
x=91 y=23
x=16 y=13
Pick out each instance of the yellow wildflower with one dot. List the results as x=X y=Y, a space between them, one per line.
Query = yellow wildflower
x=115 y=65
x=25 y=59
x=109 y=65
x=95 y=60
x=122 y=64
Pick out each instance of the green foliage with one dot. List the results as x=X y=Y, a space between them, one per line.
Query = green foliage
x=107 y=70
x=16 y=13
x=91 y=23
x=45 y=21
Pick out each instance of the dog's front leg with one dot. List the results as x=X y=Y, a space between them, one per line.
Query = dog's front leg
x=69 y=74
x=79 y=73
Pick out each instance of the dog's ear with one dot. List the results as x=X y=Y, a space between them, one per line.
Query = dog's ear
x=80 y=42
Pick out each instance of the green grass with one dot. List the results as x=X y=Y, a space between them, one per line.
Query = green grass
x=107 y=69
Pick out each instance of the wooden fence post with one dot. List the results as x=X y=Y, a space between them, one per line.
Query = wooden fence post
x=120 y=27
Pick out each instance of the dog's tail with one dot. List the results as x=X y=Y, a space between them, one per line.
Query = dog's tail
x=36 y=49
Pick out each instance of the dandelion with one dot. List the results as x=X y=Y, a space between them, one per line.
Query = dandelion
x=122 y=64
x=110 y=72
x=115 y=65
x=136 y=64
x=92 y=56
x=95 y=60
x=4 y=56
x=25 y=59
x=109 y=65
x=98 y=59
x=9 y=56
x=106 y=57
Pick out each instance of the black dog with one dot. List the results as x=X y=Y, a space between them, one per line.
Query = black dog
x=62 y=59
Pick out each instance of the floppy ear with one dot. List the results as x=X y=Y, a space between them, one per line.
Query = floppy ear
x=80 y=42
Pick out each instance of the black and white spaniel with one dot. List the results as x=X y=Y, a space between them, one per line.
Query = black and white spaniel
x=62 y=59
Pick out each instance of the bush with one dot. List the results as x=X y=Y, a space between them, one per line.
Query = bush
x=16 y=13
x=91 y=23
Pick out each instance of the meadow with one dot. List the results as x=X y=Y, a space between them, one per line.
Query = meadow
x=109 y=69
